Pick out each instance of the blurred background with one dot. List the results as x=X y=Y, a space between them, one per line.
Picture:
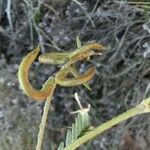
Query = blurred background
x=122 y=79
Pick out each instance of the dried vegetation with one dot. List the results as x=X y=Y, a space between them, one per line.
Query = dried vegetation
x=122 y=79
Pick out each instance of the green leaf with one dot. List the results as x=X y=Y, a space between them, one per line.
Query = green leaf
x=68 y=137
x=61 y=146
x=78 y=42
x=78 y=129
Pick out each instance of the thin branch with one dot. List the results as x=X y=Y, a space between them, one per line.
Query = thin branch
x=43 y=121
x=144 y=107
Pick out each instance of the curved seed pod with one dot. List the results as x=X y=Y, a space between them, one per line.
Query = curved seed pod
x=61 y=77
x=87 y=48
x=84 y=52
x=23 y=71
x=76 y=74
x=54 y=57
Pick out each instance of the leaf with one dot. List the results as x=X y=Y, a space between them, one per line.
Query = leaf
x=61 y=146
x=78 y=42
x=78 y=129
x=68 y=137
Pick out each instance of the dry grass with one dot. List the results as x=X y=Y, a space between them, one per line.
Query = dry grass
x=122 y=79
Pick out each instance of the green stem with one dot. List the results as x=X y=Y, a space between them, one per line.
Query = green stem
x=144 y=107
x=43 y=121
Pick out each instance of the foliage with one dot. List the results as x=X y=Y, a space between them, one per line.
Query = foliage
x=78 y=129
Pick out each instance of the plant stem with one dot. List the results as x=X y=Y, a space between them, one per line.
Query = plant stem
x=44 y=119
x=144 y=107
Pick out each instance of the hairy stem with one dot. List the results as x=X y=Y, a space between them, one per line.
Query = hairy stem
x=144 y=107
x=43 y=121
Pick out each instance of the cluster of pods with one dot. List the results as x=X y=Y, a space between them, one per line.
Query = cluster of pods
x=67 y=60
